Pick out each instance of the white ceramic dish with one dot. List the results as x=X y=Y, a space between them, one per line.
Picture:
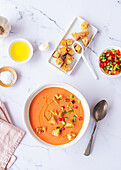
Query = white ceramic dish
x=75 y=92
x=75 y=26
x=103 y=51
x=27 y=42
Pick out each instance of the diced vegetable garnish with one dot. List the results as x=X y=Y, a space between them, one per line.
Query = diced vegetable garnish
x=75 y=107
x=81 y=118
x=74 y=120
x=62 y=107
x=68 y=106
x=75 y=116
x=63 y=128
x=63 y=119
x=63 y=122
x=60 y=119
x=73 y=101
x=71 y=96
x=66 y=118
x=79 y=101
x=65 y=111
x=110 y=62
x=67 y=100
x=58 y=127
x=71 y=110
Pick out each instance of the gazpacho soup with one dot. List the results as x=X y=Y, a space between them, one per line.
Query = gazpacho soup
x=56 y=115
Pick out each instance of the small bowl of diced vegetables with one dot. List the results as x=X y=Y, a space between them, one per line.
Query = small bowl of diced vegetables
x=110 y=61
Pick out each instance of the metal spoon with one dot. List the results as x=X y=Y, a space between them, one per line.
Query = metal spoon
x=99 y=112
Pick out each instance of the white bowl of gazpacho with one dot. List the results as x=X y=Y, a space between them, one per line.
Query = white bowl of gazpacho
x=56 y=115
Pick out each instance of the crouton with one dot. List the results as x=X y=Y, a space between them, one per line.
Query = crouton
x=53 y=120
x=69 y=124
x=65 y=67
x=56 y=132
x=58 y=96
x=77 y=48
x=70 y=51
x=68 y=59
x=55 y=100
x=85 y=40
x=59 y=61
x=54 y=112
x=71 y=135
x=63 y=51
x=84 y=25
x=64 y=43
x=82 y=34
x=76 y=35
x=40 y=129
x=69 y=42
x=56 y=54
x=85 y=31
x=61 y=114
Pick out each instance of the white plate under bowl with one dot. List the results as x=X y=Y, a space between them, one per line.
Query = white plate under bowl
x=103 y=51
x=28 y=43
x=72 y=90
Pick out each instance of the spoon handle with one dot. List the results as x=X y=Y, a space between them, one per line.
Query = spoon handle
x=90 y=67
x=88 y=149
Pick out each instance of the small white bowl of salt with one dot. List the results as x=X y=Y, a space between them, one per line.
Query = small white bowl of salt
x=8 y=76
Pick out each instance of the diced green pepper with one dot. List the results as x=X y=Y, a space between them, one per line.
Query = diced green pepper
x=58 y=127
x=65 y=111
x=75 y=116
x=68 y=106
x=78 y=101
x=71 y=96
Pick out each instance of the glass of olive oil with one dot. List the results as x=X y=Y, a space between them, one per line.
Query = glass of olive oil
x=20 y=50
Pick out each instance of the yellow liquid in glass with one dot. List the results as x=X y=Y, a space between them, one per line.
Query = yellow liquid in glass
x=20 y=51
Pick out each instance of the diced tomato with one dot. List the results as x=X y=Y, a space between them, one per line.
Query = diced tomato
x=117 y=72
x=63 y=128
x=117 y=52
x=75 y=107
x=117 y=61
x=120 y=55
x=73 y=101
x=107 y=54
x=81 y=118
x=101 y=65
x=60 y=119
x=105 y=64
x=109 y=58
x=67 y=100
x=114 y=72
x=106 y=71
x=63 y=119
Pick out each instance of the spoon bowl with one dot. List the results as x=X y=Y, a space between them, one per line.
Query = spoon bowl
x=7 y=68
x=100 y=110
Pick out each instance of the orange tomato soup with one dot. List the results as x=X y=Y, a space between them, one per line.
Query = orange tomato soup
x=56 y=115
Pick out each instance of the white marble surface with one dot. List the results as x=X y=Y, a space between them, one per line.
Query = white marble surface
x=38 y=21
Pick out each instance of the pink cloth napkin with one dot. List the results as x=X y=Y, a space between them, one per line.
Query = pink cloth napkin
x=10 y=137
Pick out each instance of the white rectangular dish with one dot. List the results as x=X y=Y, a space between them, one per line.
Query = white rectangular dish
x=74 y=27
